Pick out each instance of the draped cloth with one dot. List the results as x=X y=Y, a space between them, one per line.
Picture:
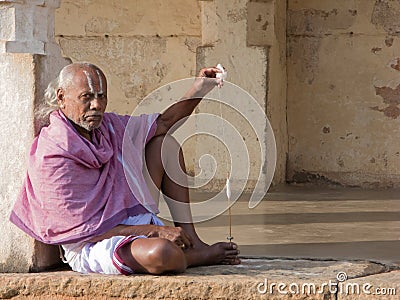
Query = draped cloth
x=75 y=189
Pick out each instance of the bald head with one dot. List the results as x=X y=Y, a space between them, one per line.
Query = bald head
x=67 y=74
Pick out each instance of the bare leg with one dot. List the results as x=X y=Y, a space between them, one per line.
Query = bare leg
x=153 y=256
x=157 y=255
x=173 y=161
x=168 y=174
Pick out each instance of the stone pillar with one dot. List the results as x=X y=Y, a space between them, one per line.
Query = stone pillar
x=29 y=59
x=248 y=37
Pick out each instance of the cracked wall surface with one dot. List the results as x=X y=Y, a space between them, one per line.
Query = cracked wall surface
x=29 y=58
x=142 y=45
x=248 y=38
x=342 y=72
x=343 y=92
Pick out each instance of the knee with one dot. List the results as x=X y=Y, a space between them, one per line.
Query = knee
x=165 y=256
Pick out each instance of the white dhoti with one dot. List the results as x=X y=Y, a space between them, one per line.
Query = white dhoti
x=101 y=257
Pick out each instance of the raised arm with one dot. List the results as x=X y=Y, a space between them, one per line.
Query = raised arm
x=203 y=84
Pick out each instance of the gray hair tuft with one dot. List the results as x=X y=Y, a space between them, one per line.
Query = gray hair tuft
x=48 y=104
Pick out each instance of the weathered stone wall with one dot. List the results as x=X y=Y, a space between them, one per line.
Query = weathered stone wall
x=248 y=38
x=29 y=57
x=142 y=45
x=14 y=97
x=343 y=92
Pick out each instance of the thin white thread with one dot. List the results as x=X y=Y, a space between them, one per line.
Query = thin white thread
x=227 y=185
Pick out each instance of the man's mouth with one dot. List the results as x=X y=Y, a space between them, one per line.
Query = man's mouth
x=93 y=118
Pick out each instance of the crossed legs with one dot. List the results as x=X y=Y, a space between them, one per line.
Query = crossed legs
x=158 y=255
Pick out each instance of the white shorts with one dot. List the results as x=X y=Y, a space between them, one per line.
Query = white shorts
x=102 y=257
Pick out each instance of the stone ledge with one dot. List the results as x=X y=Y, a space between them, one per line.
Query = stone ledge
x=33 y=47
x=215 y=282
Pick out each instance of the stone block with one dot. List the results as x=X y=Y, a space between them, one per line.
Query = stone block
x=39 y=2
x=26 y=26
x=24 y=22
x=20 y=89
x=7 y=22
x=340 y=16
x=257 y=57
x=36 y=47
x=385 y=15
x=209 y=22
x=16 y=93
x=348 y=141
x=53 y=4
x=234 y=35
x=128 y=18
x=24 y=74
x=134 y=66
x=340 y=59
x=34 y=2
x=3 y=46
x=330 y=18
x=39 y=28
x=261 y=278
x=261 y=23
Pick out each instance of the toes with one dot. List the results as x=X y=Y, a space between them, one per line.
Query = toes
x=228 y=245
x=233 y=246
x=232 y=252
x=231 y=261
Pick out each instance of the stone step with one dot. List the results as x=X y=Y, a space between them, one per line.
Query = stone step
x=295 y=237
x=253 y=279
x=295 y=221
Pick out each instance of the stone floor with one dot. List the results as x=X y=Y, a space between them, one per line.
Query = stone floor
x=254 y=279
x=303 y=222
x=325 y=241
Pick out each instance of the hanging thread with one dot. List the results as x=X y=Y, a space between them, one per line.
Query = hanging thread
x=228 y=184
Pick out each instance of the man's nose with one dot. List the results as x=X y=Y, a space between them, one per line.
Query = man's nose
x=95 y=104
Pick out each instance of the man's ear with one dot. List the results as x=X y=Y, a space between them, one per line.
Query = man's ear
x=60 y=96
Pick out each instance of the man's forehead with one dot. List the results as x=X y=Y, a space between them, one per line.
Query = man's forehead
x=84 y=74
x=88 y=78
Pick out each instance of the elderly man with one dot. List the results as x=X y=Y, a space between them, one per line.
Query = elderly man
x=76 y=193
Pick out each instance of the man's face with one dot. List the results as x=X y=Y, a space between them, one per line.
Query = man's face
x=85 y=98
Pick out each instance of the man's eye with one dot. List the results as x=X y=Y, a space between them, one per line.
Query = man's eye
x=86 y=97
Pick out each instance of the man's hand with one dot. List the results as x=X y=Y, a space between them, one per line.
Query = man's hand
x=203 y=84
x=175 y=234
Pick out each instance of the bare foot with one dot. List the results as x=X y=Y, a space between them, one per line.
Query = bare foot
x=216 y=254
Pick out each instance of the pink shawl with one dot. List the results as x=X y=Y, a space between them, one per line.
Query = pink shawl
x=75 y=189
